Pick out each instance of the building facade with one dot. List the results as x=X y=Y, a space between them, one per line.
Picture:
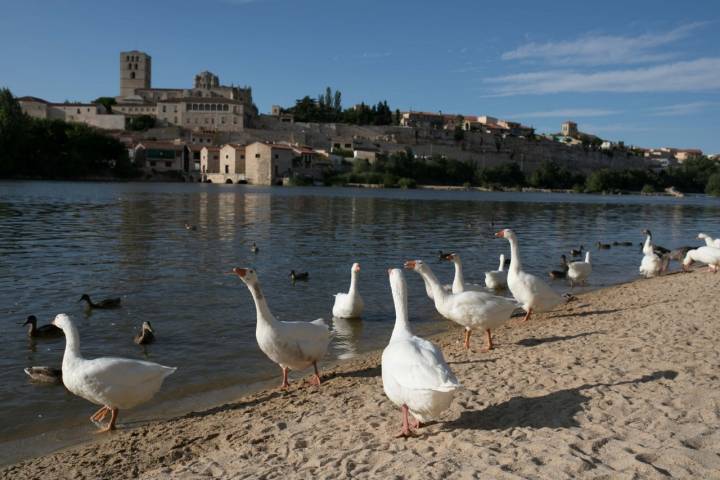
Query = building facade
x=268 y=163
x=91 y=114
x=207 y=105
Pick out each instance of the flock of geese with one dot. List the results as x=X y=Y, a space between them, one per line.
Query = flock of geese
x=415 y=375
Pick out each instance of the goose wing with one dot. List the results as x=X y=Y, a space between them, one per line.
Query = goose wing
x=418 y=364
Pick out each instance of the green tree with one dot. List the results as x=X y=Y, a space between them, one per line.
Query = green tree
x=106 y=102
x=713 y=185
x=140 y=123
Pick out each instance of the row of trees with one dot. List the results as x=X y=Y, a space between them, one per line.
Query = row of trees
x=695 y=175
x=41 y=148
x=327 y=108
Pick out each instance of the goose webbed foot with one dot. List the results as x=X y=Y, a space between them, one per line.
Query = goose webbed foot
x=466 y=340
x=315 y=379
x=527 y=315
x=113 y=418
x=406 y=430
x=285 y=385
x=488 y=342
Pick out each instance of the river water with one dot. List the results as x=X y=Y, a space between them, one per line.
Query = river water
x=59 y=240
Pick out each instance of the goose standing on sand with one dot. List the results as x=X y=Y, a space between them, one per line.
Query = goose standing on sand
x=497 y=279
x=102 y=304
x=415 y=375
x=578 y=272
x=653 y=263
x=710 y=256
x=459 y=285
x=114 y=383
x=470 y=309
x=534 y=294
x=292 y=345
x=350 y=304
x=709 y=241
x=45 y=331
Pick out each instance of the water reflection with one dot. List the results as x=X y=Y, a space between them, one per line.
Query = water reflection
x=347 y=333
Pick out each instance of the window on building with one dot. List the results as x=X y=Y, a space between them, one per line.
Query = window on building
x=227 y=168
x=163 y=108
x=78 y=111
x=152 y=164
x=136 y=66
x=242 y=157
x=227 y=156
x=257 y=155
x=168 y=164
x=127 y=58
x=222 y=120
x=348 y=145
x=132 y=74
x=175 y=120
x=213 y=107
x=277 y=156
x=212 y=120
x=129 y=66
x=88 y=110
x=226 y=108
x=235 y=121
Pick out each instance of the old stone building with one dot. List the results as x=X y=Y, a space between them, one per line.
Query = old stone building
x=268 y=163
x=89 y=113
x=207 y=105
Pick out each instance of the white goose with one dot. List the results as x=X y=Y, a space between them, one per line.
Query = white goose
x=652 y=264
x=415 y=375
x=292 y=345
x=114 y=383
x=470 y=309
x=710 y=256
x=709 y=241
x=459 y=285
x=497 y=279
x=350 y=304
x=534 y=294
x=578 y=272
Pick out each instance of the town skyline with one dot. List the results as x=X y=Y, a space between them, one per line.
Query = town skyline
x=650 y=80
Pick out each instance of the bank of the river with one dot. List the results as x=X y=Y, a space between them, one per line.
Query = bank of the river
x=621 y=383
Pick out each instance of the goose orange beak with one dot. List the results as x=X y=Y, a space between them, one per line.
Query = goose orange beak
x=240 y=272
x=357 y=268
x=410 y=264
x=500 y=234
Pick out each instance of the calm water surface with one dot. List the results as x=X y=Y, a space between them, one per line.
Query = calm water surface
x=60 y=240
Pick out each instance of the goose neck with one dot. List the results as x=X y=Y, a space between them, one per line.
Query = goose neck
x=264 y=316
x=515 y=265
x=353 y=283
x=502 y=263
x=437 y=290
x=72 y=343
x=459 y=281
x=402 y=325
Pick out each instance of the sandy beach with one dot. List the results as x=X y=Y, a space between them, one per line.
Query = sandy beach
x=621 y=383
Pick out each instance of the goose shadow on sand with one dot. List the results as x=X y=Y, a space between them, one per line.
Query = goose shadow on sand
x=534 y=342
x=554 y=410
x=587 y=313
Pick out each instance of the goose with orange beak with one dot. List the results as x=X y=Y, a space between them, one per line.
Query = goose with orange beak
x=459 y=285
x=472 y=310
x=350 y=304
x=530 y=291
x=292 y=345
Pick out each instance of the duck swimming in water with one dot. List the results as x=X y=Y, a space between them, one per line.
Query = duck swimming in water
x=254 y=248
x=103 y=304
x=556 y=274
x=576 y=252
x=44 y=374
x=295 y=276
x=146 y=335
x=45 y=331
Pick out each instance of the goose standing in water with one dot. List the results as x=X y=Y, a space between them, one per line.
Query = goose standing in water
x=472 y=310
x=114 y=383
x=710 y=256
x=497 y=279
x=350 y=304
x=578 y=272
x=653 y=262
x=557 y=274
x=102 y=304
x=415 y=375
x=292 y=345
x=146 y=335
x=45 y=331
x=459 y=285
x=534 y=294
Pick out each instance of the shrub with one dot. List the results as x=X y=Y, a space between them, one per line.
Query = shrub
x=405 y=182
x=713 y=185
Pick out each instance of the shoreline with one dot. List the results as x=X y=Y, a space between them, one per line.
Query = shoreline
x=625 y=367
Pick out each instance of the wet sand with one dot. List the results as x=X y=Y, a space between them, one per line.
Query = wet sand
x=621 y=383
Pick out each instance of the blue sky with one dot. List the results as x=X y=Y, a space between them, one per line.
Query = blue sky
x=646 y=72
